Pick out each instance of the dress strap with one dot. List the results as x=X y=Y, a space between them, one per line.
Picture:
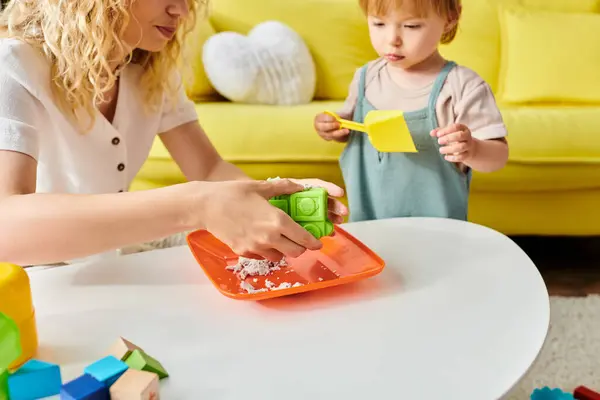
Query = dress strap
x=362 y=83
x=439 y=83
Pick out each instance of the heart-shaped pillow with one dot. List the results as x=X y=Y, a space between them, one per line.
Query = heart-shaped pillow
x=271 y=65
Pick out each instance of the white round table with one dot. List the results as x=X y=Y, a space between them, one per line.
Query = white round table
x=459 y=312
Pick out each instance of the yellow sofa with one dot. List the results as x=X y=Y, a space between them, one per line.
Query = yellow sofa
x=551 y=185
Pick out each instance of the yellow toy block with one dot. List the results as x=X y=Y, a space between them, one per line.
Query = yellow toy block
x=17 y=304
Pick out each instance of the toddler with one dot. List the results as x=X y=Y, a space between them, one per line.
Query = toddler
x=450 y=111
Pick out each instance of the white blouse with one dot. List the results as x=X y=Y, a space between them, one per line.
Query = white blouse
x=103 y=160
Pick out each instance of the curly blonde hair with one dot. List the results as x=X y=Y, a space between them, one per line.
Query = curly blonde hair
x=81 y=38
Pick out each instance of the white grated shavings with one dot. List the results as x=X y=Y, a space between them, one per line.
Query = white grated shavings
x=250 y=289
x=249 y=267
x=284 y=285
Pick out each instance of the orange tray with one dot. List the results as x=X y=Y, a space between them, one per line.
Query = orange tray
x=342 y=259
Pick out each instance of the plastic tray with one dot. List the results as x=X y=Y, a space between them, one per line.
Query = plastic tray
x=342 y=259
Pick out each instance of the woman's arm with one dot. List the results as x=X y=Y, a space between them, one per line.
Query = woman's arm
x=196 y=156
x=48 y=228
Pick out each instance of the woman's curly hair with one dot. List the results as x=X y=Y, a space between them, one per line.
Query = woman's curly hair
x=81 y=38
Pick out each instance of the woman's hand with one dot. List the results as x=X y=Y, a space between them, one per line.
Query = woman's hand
x=337 y=210
x=238 y=213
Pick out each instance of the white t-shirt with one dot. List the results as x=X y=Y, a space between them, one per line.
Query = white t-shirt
x=104 y=159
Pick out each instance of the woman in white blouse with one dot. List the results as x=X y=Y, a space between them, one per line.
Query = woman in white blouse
x=85 y=86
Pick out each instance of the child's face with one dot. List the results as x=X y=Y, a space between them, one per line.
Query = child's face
x=404 y=39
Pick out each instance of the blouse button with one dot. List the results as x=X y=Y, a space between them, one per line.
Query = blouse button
x=116 y=141
x=121 y=167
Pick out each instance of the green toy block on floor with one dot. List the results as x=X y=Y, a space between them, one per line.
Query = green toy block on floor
x=3 y=384
x=308 y=208
x=10 y=341
x=143 y=362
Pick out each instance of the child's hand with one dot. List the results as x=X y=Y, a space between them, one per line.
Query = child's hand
x=456 y=142
x=329 y=129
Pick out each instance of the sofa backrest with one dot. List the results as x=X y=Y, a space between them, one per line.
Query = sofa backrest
x=337 y=35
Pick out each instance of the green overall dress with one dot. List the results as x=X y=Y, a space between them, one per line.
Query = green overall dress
x=390 y=185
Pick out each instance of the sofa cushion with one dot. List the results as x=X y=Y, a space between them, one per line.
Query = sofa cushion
x=335 y=32
x=552 y=147
x=525 y=37
x=197 y=84
x=553 y=134
x=263 y=133
x=477 y=43
x=272 y=65
x=545 y=134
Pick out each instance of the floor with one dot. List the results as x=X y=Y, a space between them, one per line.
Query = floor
x=570 y=266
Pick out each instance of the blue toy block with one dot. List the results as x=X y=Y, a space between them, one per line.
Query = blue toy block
x=34 y=380
x=86 y=387
x=107 y=370
x=546 y=393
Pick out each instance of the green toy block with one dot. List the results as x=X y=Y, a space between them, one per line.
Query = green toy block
x=10 y=341
x=3 y=384
x=282 y=204
x=143 y=362
x=308 y=208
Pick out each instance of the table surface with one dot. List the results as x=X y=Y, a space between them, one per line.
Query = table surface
x=459 y=312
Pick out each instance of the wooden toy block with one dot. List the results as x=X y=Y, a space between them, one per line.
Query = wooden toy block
x=10 y=341
x=136 y=385
x=584 y=393
x=143 y=362
x=3 y=384
x=122 y=348
x=35 y=380
x=106 y=370
x=85 y=387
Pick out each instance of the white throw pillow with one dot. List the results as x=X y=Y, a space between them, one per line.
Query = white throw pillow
x=272 y=65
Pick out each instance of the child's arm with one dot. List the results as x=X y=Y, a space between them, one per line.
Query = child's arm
x=347 y=110
x=488 y=155
x=459 y=145
x=475 y=134
x=327 y=127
